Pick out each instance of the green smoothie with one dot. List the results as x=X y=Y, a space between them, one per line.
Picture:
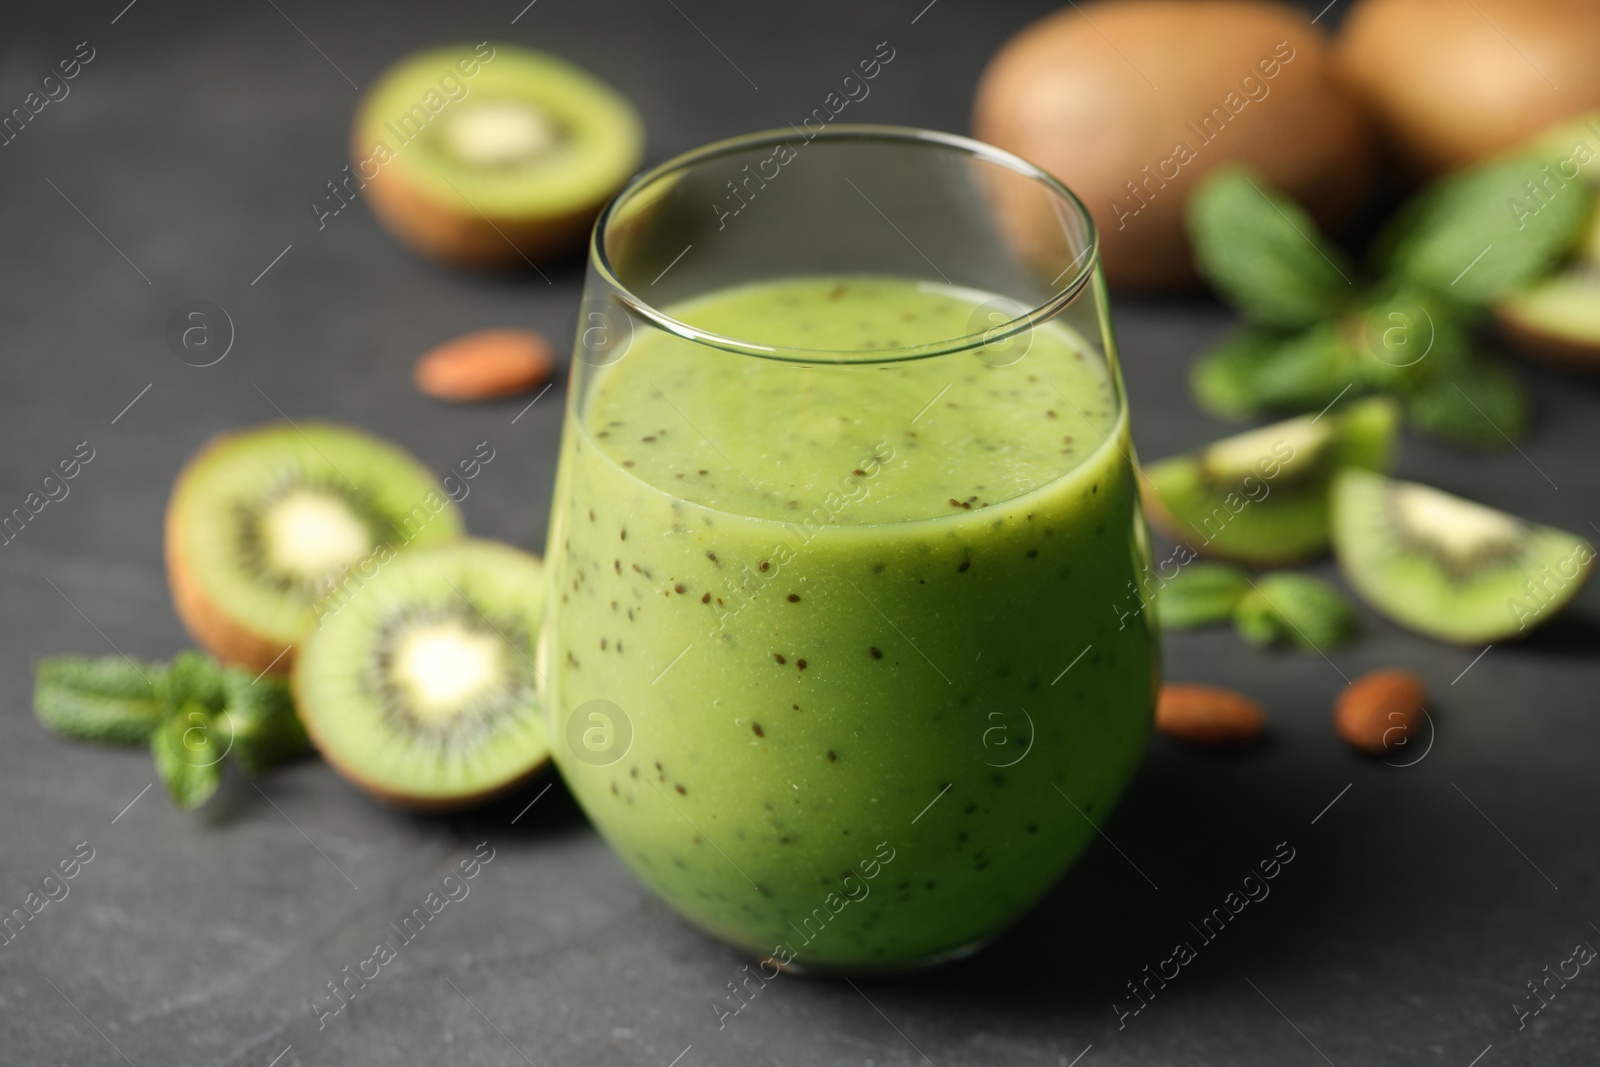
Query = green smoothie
x=858 y=630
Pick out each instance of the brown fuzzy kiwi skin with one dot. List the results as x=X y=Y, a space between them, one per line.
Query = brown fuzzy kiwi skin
x=469 y=238
x=212 y=628
x=1060 y=95
x=1446 y=86
x=392 y=797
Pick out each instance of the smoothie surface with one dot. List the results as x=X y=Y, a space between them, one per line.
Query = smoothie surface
x=771 y=439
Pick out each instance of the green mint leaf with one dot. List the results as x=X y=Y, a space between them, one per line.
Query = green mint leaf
x=1201 y=594
x=1480 y=402
x=261 y=717
x=1309 y=369
x=195 y=678
x=1480 y=233
x=1264 y=253
x=110 y=700
x=1295 y=609
x=188 y=754
x=1408 y=336
x=1223 y=379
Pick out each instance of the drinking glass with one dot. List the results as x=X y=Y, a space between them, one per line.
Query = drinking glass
x=845 y=654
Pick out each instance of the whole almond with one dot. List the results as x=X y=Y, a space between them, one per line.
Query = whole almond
x=1208 y=716
x=485 y=364
x=1379 y=711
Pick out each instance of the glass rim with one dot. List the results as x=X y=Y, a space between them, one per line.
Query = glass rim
x=1061 y=294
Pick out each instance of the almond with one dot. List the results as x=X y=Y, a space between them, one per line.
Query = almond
x=1208 y=716
x=489 y=363
x=1379 y=711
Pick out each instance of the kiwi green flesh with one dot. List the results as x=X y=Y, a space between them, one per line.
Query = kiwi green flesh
x=419 y=684
x=1448 y=567
x=527 y=136
x=1562 y=311
x=1262 y=496
x=269 y=518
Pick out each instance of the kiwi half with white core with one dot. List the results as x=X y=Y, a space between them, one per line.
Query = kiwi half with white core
x=1262 y=496
x=419 y=684
x=1448 y=567
x=492 y=155
x=263 y=522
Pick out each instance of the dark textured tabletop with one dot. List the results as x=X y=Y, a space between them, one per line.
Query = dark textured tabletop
x=1420 y=900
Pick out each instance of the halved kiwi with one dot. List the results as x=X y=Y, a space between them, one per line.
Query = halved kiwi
x=492 y=156
x=419 y=684
x=1262 y=496
x=262 y=522
x=1448 y=567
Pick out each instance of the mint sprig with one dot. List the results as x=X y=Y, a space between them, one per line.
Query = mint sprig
x=1317 y=328
x=194 y=713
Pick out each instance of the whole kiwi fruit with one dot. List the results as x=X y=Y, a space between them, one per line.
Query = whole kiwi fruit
x=1452 y=82
x=1131 y=102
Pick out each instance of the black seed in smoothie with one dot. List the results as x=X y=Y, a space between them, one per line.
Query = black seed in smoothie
x=706 y=599
x=859 y=473
x=633 y=771
x=794 y=505
x=614 y=789
x=602 y=644
x=794 y=598
x=756 y=727
x=618 y=565
x=652 y=437
x=971 y=808
x=627 y=463
x=1033 y=553
x=764 y=565
x=833 y=757
x=712 y=556
x=702 y=472
x=796 y=707
x=962 y=569
x=800 y=663
x=680 y=589
x=1095 y=488
x=1033 y=828
x=877 y=568
x=624 y=534
x=591 y=514
x=875 y=652
x=779 y=657
x=681 y=790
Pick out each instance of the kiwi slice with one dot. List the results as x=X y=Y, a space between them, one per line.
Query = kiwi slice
x=1448 y=567
x=262 y=522
x=1262 y=496
x=419 y=686
x=1558 y=320
x=492 y=155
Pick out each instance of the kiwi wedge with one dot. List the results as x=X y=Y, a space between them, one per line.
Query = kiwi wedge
x=1261 y=497
x=262 y=522
x=419 y=685
x=1557 y=320
x=1448 y=567
x=492 y=155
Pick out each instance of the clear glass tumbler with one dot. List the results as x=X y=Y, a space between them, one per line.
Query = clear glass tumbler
x=844 y=653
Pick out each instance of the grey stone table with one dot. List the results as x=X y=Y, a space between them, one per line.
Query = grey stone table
x=1420 y=900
